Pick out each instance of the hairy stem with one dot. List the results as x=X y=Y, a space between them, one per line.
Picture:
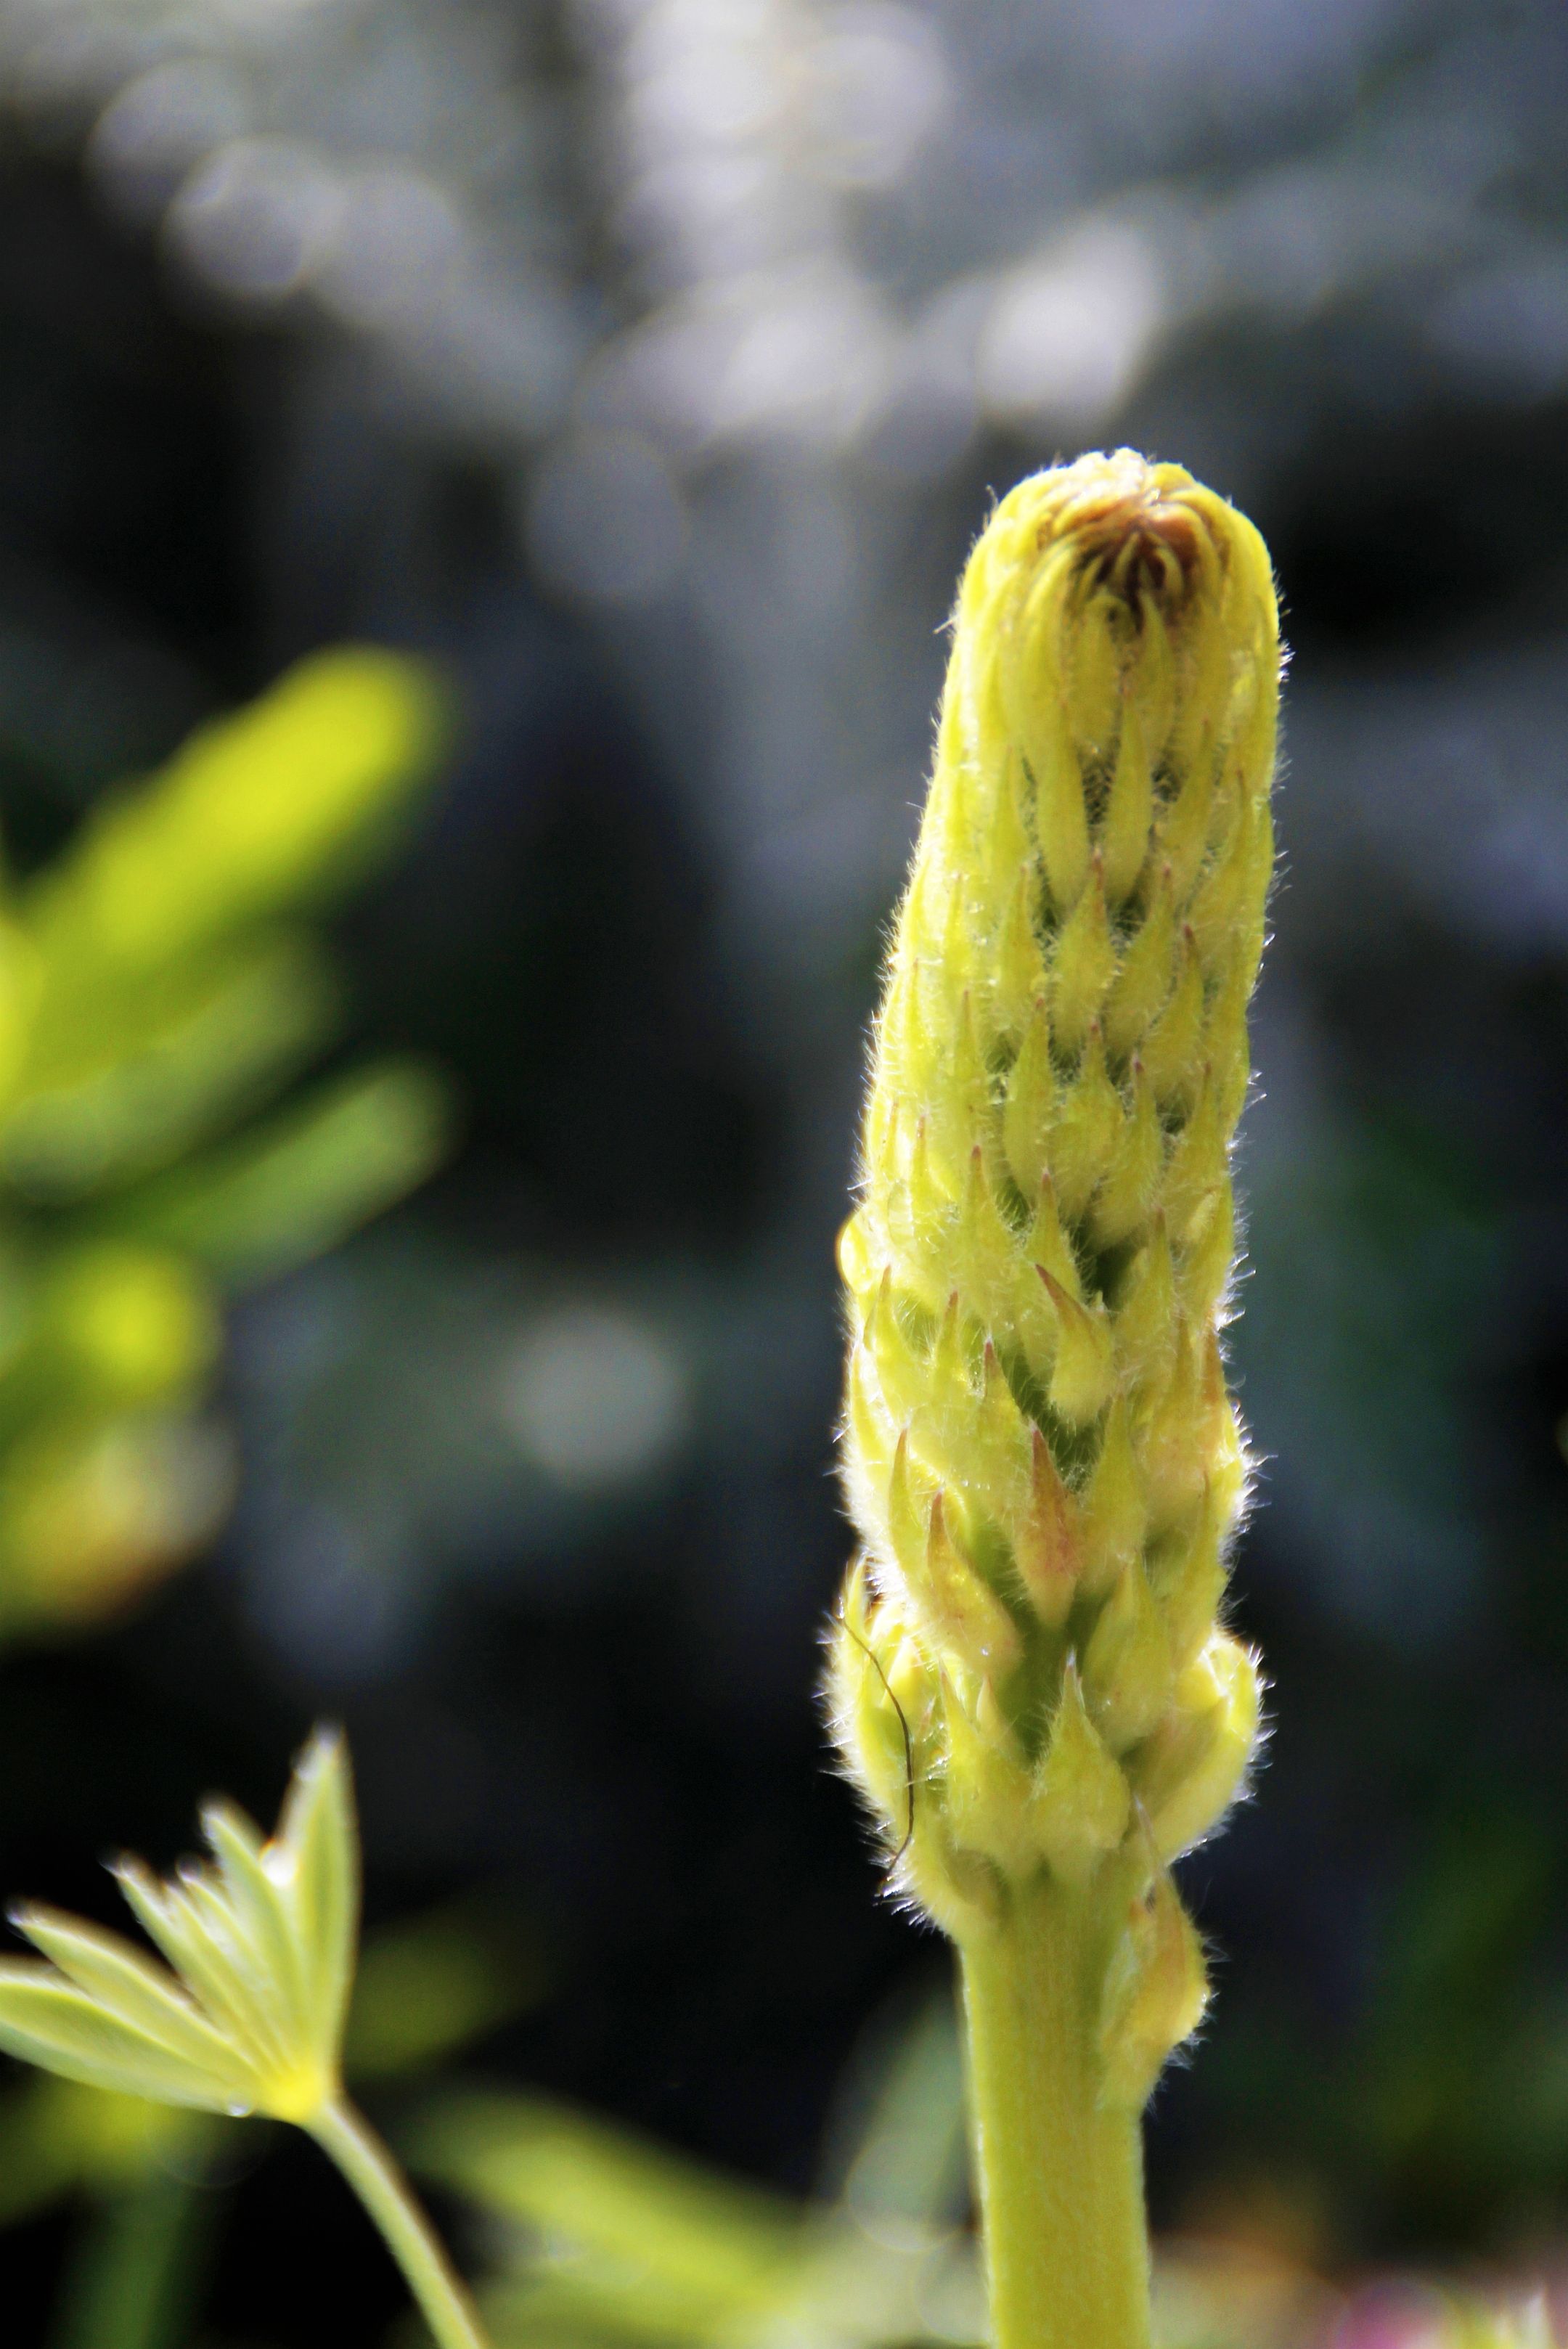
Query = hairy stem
x=442 y=2297
x=1060 y=2174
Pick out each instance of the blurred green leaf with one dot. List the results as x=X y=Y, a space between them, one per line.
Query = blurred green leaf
x=698 y=2240
x=909 y=2167
x=605 y=2238
x=60 y=2138
x=135 y=2271
x=433 y=1985
x=92 y=1510
x=156 y=993
x=256 y=813
x=219 y=1037
x=288 y=1190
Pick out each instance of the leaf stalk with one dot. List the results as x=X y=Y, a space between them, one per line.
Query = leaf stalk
x=347 y=2137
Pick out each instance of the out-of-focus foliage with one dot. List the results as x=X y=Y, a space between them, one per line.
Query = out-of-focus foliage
x=427 y=1988
x=1451 y=2095
x=607 y=2241
x=161 y=986
x=603 y=2239
x=137 y=2269
x=59 y=2139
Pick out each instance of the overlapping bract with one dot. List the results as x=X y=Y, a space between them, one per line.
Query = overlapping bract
x=1041 y=1455
x=261 y=1940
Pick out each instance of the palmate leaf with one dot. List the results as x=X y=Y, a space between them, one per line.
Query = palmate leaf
x=248 y=2014
x=201 y=1953
x=45 y=2020
x=105 y=1969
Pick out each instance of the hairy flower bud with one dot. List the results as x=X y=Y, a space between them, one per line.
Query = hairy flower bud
x=1042 y=1458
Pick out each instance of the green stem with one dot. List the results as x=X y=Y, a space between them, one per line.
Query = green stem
x=382 y=2186
x=1060 y=2175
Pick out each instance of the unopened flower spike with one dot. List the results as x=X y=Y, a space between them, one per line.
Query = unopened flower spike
x=247 y=2016
x=1044 y=1464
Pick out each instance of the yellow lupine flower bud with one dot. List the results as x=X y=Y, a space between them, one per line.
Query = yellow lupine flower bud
x=1043 y=1461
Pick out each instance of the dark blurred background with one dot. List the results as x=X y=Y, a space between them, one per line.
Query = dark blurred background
x=652 y=362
